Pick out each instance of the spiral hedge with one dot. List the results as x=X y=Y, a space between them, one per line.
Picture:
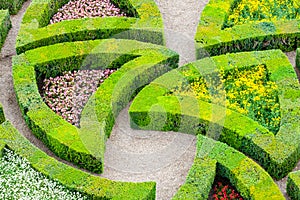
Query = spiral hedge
x=132 y=44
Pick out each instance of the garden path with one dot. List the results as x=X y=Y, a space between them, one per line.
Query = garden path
x=132 y=155
x=163 y=157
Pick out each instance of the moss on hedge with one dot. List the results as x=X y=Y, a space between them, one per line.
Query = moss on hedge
x=85 y=146
x=278 y=154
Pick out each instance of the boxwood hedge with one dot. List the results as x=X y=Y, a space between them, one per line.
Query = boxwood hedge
x=141 y=63
x=146 y=25
x=199 y=180
x=278 y=154
x=5 y=25
x=211 y=37
x=95 y=187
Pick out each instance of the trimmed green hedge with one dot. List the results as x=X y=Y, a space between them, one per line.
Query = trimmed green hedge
x=199 y=180
x=212 y=38
x=13 y=5
x=5 y=25
x=278 y=154
x=293 y=185
x=141 y=63
x=145 y=26
x=94 y=187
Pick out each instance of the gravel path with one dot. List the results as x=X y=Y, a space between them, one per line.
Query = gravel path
x=131 y=155
x=163 y=157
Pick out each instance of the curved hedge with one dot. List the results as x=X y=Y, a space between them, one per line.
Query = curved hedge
x=293 y=185
x=278 y=154
x=5 y=25
x=145 y=26
x=140 y=64
x=247 y=176
x=199 y=180
x=94 y=187
x=212 y=38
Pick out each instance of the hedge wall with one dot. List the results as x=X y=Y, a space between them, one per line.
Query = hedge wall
x=293 y=185
x=278 y=154
x=94 y=187
x=85 y=146
x=146 y=25
x=13 y=5
x=199 y=180
x=5 y=25
x=212 y=39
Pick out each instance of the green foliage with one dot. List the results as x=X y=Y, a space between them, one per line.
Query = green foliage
x=140 y=64
x=5 y=25
x=13 y=5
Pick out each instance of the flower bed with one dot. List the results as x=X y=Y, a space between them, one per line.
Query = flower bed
x=146 y=25
x=19 y=181
x=213 y=38
x=67 y=95
x=77 y=9
x=246 y=11
x=248 y=91
x=223 y=190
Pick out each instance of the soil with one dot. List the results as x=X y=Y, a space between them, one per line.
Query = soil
x=132 y=155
